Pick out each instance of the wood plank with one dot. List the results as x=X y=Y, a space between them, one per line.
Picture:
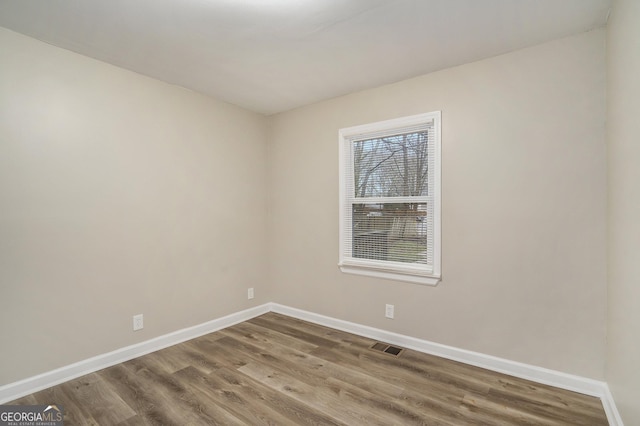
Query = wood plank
x=312 y=372
x=321 y=399
x=274 y=369
x=96 y=399
x=305 y=364
x=74 y=413
x=176 y=358
x=251 y=401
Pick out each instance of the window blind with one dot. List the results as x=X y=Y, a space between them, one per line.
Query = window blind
x=388 y=182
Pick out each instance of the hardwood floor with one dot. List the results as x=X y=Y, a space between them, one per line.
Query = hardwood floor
x=279 y=370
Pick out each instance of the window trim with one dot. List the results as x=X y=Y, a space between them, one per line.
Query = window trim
x=393 y=270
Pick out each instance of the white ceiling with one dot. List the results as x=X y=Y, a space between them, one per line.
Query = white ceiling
x=274 y=55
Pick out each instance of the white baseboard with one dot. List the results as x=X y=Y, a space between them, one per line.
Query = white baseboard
x=33 y=384
x=525 y=371
x=613 y=415
x=558 y=379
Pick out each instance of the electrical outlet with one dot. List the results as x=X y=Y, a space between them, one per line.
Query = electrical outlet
x=250 y=293
x=138 y=322
x=389 y=311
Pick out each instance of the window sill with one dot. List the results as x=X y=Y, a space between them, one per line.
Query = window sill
x=396 y=276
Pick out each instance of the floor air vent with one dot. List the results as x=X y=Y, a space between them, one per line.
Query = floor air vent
x=387 y=349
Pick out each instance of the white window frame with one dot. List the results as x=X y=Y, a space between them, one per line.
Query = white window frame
x=409 y=272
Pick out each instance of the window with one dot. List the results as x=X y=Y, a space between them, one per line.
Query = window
x=390 y=199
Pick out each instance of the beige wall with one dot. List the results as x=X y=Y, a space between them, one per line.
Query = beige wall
x=623 y=137
x=524 y=204
x=119 y=195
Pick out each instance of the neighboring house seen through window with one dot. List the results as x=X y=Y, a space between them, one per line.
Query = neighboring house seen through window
x=390 y=199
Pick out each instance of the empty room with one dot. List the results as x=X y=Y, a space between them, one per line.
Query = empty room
x=328 y=212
